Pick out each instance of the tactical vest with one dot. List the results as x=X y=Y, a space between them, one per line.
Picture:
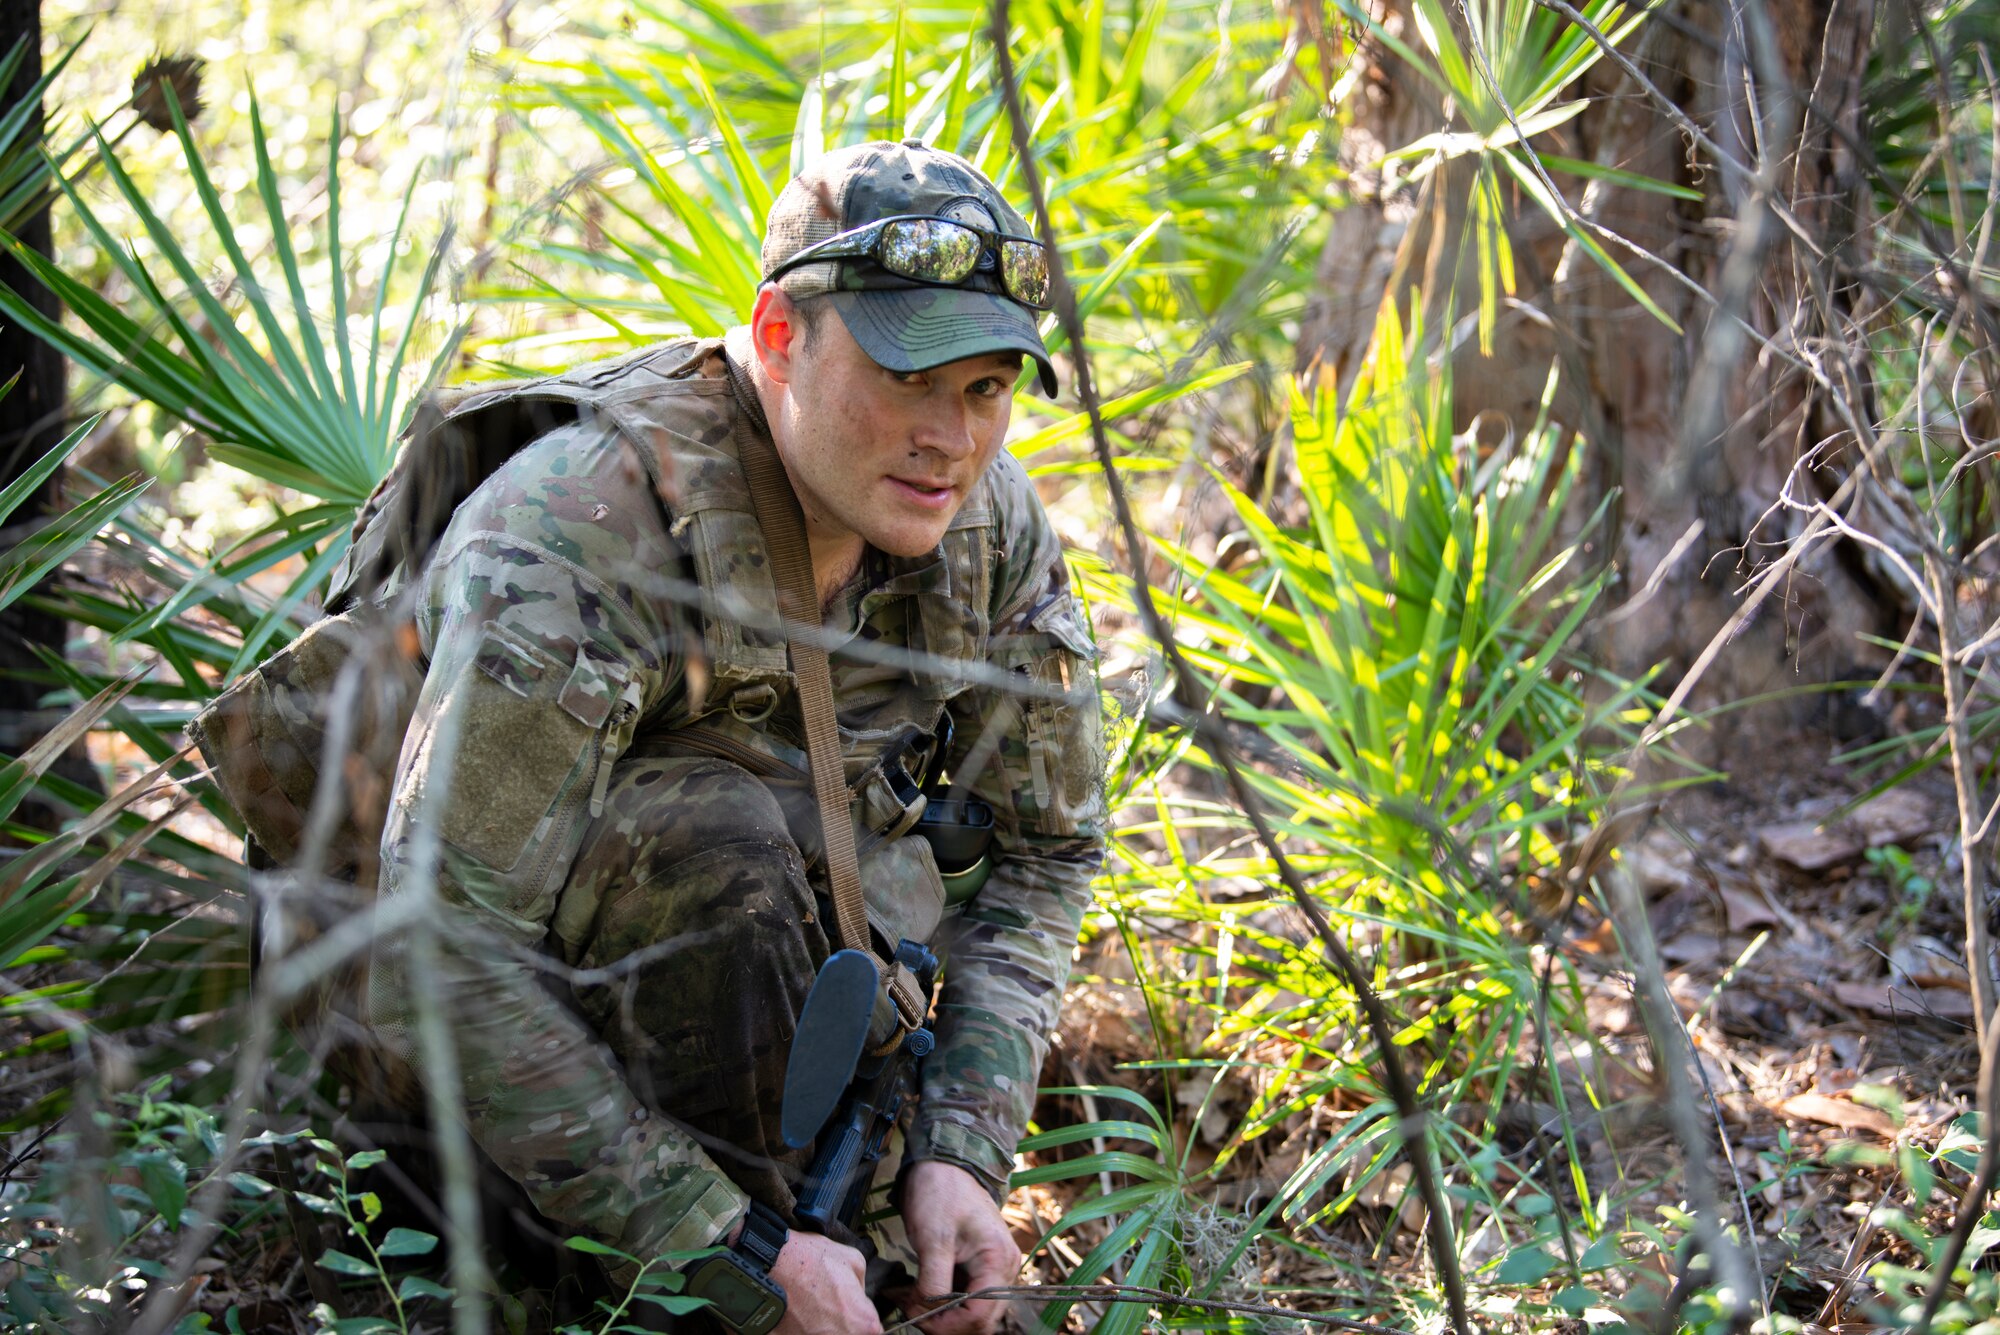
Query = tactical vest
x=265 y=736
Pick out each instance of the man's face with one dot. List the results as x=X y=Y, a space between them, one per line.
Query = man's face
x=889 y=456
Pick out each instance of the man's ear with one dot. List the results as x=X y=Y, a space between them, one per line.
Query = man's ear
x=774 y=333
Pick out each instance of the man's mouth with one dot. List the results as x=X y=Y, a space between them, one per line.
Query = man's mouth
x=923 y=491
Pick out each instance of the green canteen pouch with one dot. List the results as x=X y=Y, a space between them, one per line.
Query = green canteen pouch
x=960 y=833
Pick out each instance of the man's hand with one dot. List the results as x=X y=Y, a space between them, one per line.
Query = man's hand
x=822 y=1280
x=958 y=1234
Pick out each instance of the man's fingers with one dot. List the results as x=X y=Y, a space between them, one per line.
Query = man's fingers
x=993 y=1265
x=934 y=1266
x=986 y=1269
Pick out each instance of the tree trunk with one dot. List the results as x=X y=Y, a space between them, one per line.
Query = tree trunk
x=31 y=422
x=1627 y=378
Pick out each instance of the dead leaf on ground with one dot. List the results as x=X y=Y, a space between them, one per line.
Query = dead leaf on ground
x=1390 y=1188
x=1927 y=962
x=1896 y=1002
x=1843 y=1113
x=1899 y=816
x=1599 y=940
x=1692 y=948
x=1805 y=845
x=1745 y=908
x=1659 y=863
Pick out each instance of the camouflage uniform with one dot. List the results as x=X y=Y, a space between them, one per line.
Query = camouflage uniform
x=607 y=749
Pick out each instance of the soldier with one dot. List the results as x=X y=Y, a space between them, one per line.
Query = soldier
x=606 y=773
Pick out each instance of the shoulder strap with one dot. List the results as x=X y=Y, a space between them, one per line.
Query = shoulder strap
x=785 y=543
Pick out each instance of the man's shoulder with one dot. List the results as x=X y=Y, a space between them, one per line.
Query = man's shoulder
x=580 y=493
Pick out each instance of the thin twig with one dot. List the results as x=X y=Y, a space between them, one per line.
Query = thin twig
x=1410 y=1111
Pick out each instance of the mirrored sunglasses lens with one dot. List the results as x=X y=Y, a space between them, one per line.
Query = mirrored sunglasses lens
x=1025 y=266
x=934 y=251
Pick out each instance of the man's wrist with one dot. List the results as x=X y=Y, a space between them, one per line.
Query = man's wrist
x=946 y=1142
x=690 y=1221
x=759 y=1236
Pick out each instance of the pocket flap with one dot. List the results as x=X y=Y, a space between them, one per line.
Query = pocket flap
x=592 y=689
x=514 y=663
x=1062 y=621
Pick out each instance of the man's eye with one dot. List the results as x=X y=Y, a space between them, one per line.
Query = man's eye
x=992 y=387
x=907 y=377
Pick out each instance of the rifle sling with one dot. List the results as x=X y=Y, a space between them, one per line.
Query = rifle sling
x=783 y=523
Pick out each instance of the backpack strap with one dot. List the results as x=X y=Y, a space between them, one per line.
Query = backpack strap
x=778 y=514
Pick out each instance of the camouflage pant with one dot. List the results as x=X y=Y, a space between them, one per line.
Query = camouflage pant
x=696 y=935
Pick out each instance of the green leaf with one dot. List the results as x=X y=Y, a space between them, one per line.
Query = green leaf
x=1917 y=1173
x=1089 y=1165
x=416 y=1286
x=165 y=1184
x=24 y=564
x=1576 y=1298
x=1630 y=180
x=408 y=1242
x=31 y=480
x=591 y=1247
x=343 y=1264
x=1524 y=1265
x=1078 y=425
x=1112 y=1130
x=1599 y=1254
x=365 y=1159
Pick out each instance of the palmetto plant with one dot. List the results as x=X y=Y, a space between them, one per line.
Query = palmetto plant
x=1158 y=1234
x=294 y=402
x=1404 y=670
x=1181 y=200
x=304 y=398
x=46 y=544
x=1406 y=655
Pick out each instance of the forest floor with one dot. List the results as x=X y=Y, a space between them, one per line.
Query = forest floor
x=1813 y=942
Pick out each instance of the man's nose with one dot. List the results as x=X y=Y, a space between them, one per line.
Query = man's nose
x=946 y=427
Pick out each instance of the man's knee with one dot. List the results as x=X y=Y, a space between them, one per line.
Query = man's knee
x=680 y=841
x=687 y=886
x=666 y=809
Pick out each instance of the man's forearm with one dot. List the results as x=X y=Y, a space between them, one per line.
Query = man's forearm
x=1009 y=962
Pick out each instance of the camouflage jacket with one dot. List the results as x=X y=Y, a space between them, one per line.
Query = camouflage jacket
x=609 y=579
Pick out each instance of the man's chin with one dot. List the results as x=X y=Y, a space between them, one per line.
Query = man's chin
x=907 y=543
x=908 y=535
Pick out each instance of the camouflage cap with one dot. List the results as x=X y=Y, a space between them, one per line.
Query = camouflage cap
x=902 y=324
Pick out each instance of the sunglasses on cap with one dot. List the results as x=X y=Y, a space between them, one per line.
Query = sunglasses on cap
x=936 y=250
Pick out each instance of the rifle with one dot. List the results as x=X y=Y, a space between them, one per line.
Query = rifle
x=834 y=1091
x=846 y=1098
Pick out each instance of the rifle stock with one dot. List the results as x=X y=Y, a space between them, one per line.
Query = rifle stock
x=851 y=1143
